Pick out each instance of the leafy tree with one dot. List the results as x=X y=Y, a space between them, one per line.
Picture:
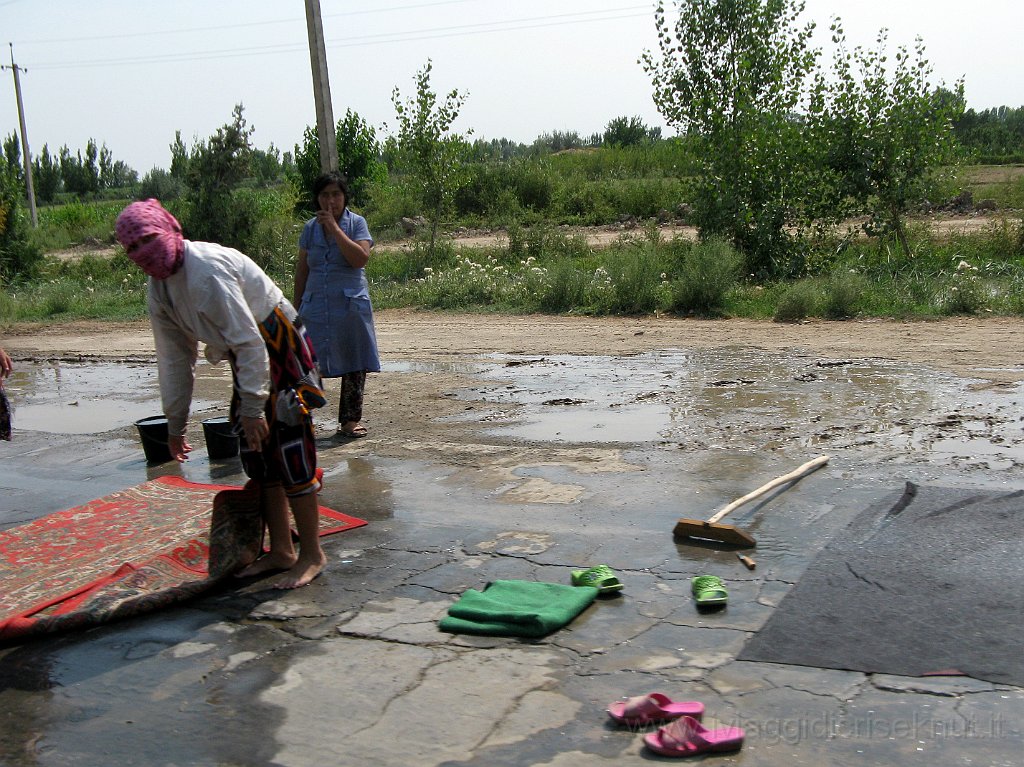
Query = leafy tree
x=628 y=131
x=160 y=184
x=731 y=75
x=992 y=135
x=179 y=158
x=497 y=150
x=106 y=166
x=81 y=177
x=559 y=141
x=287 y=164
x=121 y=175
x=90 y=166
x=19 y=259
x=266 y=166
x=216 y=167
x=891 y=130
x=433 y=156
x=75 y=177
x=46 y=175
x=114 y=174
x=359 y=157
x=12 y=154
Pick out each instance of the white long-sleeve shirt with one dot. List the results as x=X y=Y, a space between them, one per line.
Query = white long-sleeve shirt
x=218 y=296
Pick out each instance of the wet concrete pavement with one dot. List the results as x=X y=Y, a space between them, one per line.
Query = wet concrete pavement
x=562 y=462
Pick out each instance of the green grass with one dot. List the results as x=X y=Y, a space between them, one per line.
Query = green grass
x=1002 y=183
x=64 y=226
x=541 y=268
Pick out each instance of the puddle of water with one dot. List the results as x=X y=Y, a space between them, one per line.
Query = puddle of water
x=89 y=397
x=432 y=367
x=704 y=399
x=627 y=424
x=726 y=398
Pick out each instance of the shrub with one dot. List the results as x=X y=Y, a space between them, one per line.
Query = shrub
x=798 y=302
x=642 y=197
x=844 y=293
x=19 y=256
x=706 y=273
x=161 y=185
x=266 y=228
x=564 y=289
x=581 y=201
x=634 y=273
x=393 y=200
x=964 y=295
x=63 y=226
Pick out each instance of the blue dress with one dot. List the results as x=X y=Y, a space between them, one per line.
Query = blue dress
x=335 y=305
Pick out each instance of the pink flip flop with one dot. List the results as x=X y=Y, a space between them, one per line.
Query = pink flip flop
x=687 y=737
x=653 y=707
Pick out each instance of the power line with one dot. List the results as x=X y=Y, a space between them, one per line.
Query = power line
x=241 y=25
x=408 y=36
x=463 y=30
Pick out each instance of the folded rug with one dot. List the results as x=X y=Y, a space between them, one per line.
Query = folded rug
x=517 y=608
x=132 y=551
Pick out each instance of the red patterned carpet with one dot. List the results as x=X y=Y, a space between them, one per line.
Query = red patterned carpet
x=131 y=551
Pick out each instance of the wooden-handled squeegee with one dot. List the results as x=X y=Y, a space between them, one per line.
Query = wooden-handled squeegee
x=715 y=531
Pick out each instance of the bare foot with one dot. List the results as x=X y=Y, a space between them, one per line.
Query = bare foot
x=268 y=563
x=301 y=573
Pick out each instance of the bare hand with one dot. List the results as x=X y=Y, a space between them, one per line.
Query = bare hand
x=328 y=222
x=5 y=364
x=179 y=448
x=256 y=431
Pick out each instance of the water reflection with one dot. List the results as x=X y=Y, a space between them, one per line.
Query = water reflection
x=60 y=397
x=736 y=398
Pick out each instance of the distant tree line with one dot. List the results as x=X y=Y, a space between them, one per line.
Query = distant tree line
x=992 y=136
x=82 y=175
x=773 y=145
x=621 y=131
x=989 y=136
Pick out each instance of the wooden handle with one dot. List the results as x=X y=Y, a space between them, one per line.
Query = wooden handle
x=807 y=468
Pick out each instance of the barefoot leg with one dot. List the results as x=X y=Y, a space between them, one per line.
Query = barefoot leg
x=311 y=559
x=282 y=554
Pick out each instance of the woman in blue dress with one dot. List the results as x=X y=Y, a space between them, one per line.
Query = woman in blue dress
x=333 y=297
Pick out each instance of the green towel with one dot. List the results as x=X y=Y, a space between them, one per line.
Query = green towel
x=517 y=608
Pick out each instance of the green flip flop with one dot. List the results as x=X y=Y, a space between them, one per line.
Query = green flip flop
x=602 y=577
x=709 y=590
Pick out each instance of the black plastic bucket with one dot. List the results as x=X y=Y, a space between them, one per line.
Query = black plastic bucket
x=153 y=433
x=221 y=440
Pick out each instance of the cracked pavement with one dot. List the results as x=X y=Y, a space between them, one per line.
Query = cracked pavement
x=352 y=670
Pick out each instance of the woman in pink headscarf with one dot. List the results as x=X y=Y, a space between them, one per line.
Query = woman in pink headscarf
x=201 y=291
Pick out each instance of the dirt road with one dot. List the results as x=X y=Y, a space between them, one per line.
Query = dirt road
x=988 y=348
x=597 y=236
x=849 y=380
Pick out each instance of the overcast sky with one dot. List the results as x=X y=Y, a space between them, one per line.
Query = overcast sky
x=130 y=74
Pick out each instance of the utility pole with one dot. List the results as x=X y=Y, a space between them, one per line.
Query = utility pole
x=321 y=88
x=25 y=154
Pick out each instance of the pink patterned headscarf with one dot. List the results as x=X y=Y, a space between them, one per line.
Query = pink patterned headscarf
x=152 y=238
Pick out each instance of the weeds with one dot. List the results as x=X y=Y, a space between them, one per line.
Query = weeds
x=800 y=301
x=706 y=272
x=844 y=294
x=964 y=294
x=542 y=268
x=631 y=282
